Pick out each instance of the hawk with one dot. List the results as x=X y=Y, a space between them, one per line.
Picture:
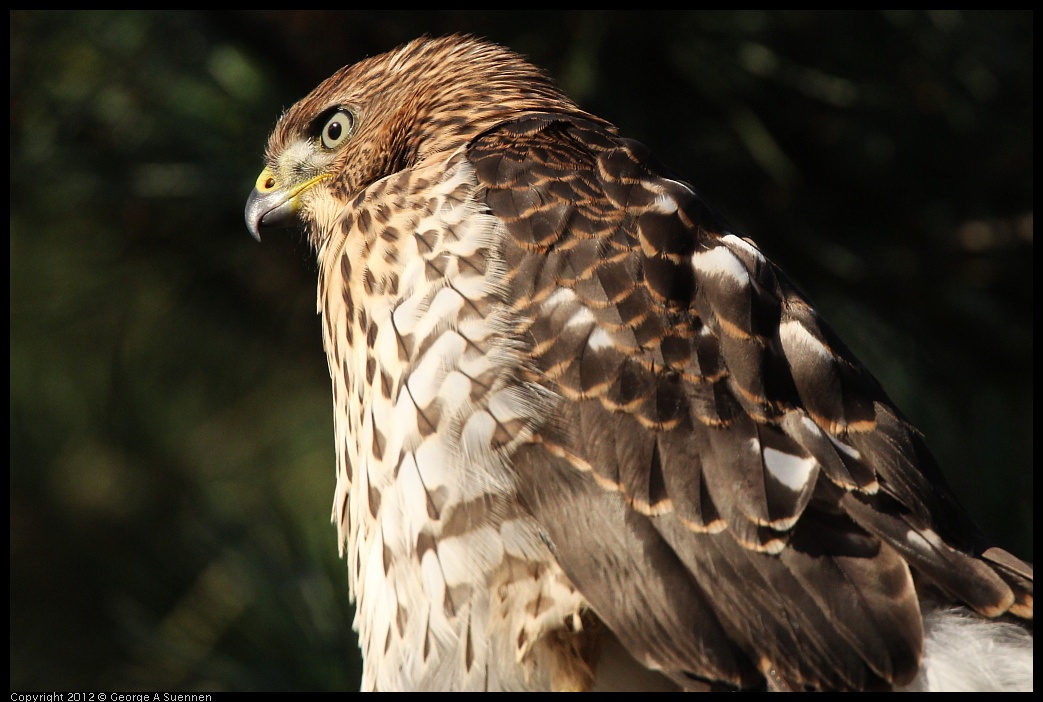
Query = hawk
x=587 y=434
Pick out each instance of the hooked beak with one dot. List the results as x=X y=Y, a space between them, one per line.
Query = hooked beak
x=272 y=206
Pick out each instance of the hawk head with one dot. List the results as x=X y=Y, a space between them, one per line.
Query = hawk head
x=385 y=114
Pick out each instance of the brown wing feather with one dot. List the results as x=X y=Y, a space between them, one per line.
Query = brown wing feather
x=742 y=462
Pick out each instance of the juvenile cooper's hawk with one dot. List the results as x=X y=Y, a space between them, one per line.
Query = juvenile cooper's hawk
x=585 y=433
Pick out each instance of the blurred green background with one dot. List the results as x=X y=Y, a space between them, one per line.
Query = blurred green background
x=171 y=425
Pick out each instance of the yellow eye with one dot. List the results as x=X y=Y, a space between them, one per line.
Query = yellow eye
x=337 y=129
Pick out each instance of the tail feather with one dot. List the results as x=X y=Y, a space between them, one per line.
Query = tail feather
x=1017 y=574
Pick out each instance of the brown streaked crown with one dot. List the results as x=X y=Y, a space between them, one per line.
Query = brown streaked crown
x=429 y=96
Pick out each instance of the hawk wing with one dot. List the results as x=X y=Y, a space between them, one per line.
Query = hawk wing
x=724 y=482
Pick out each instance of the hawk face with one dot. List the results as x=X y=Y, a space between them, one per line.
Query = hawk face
x=582 y=428
x=386 y=114
x=323 y=150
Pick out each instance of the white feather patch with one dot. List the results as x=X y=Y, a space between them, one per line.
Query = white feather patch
x=444 y=309
x=432 y=464
x=408 y=312
x=740 y=243
x=426 y=379
x=581 y=316
x=600 y=339
x=470 y=557
x=405 y=417
x=521 y=541
x=798 y=342
x=475 y=365
x=664 y=203
x=472 y=287
x=474 y=329
x=966 y=653
x=719 y=261
x=456 y=388
x=477 y=433
x=792 y=471
x=917 y=541
x=561 y=296
x=844 y=448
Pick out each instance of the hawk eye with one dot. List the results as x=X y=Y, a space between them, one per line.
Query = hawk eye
x=337 y=129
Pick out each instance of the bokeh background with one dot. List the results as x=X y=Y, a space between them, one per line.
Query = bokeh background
x=171 y=425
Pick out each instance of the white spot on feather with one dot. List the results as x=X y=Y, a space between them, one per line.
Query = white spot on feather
x=740 y=243
x=474 y=329
x=477 y=433
x=845 y=449
x=560 y=296
x=582 y=316
x=798 y=342
x=432 y=463
x=472 y=287
x=600 y=339
x=385 y=346
x=412 y=276
x=456 y=388
x=664 y=203
x=404 y=416
x=475 y=364
x=922 y=541
x=508 y=404
x=444 y=309
x=792 y=471
x=466 y=558
x=408 y=313
x=719 y=261
x=426 y=379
